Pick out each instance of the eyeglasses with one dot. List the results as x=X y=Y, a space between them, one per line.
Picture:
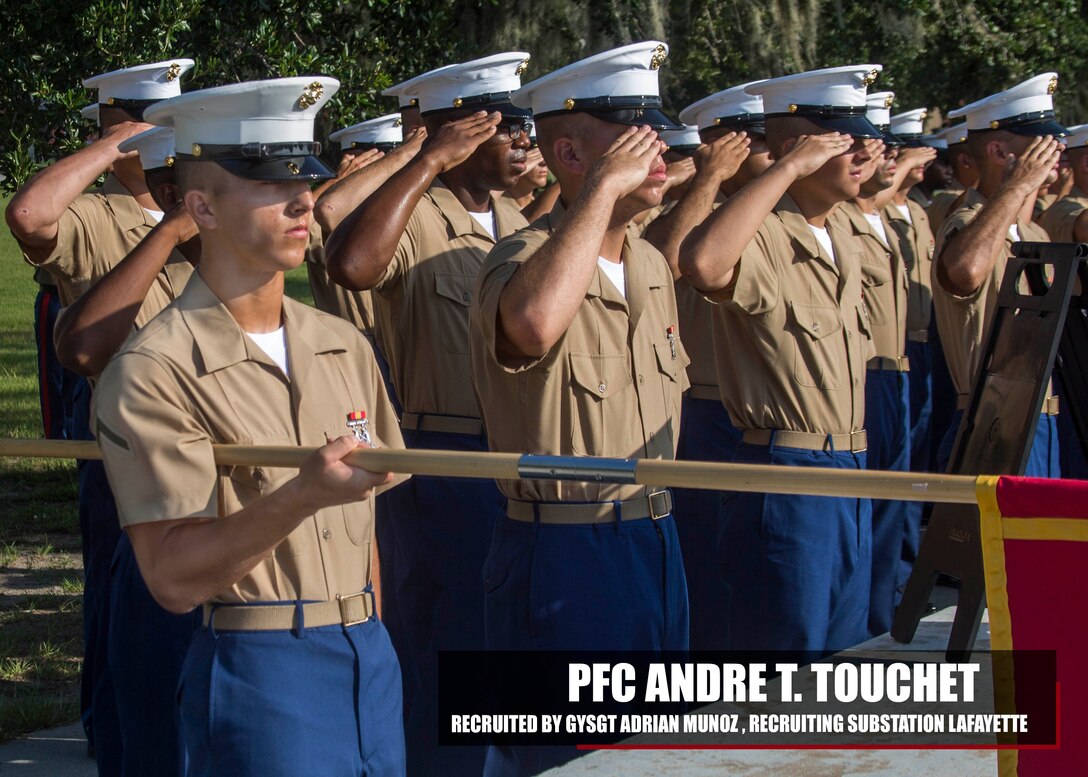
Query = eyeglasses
x=515 y=129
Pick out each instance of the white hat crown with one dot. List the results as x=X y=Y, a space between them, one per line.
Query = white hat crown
x=910 y=123
x=454 y=86
x=954 y=134
x=1030 y=98
x=878 y=108
x=280 y=110
x=155 y=147
x=837 y=87
x=735 y=101
x=622 y=72
x=382 y=130
x=153 y=81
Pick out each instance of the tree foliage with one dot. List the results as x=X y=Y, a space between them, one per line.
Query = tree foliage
x=937 y=53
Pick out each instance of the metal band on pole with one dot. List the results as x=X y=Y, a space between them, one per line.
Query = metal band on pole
x=660 y=473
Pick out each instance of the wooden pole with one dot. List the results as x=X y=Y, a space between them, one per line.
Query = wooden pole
x=911 y=486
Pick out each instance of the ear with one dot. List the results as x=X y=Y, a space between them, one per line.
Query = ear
x=788 y=144
x=569 y=155
x=995 y=149
x=200 y=205
x=168 y=195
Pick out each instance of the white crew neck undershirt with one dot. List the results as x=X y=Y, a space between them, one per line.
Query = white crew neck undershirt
x=905 y=211
x=1014 y=233
x=824 y=239
x=274 y=344
x=616 y=272
x=877 y=224
x=485 y=220
x=155 y=214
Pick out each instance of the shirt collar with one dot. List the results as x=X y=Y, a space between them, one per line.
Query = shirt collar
x=129 y=213
x=459 y=220
x=800 y=230
x=222 y=343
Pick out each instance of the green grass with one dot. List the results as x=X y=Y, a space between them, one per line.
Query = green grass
x=40 y=633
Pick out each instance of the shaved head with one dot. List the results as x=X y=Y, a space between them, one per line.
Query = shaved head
x=205 y=176
x=784 y=128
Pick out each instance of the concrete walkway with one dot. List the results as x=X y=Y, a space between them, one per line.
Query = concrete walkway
x=56 y=752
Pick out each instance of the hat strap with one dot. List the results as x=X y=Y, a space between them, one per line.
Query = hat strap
x=1022 y=118
x=251 y=150
x=822 y=110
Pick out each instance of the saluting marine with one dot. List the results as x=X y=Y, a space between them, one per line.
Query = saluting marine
x=78 y=237
x=419 y=242
x=792 y=343
x=887 y=397
x=976 y=239
x=575 y=351
x=914 y=244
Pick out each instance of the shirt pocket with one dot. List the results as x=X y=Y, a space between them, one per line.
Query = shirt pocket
x=876 y=286
x=598 y=381
x=356 y=517
x=452 y=319
x=819 y=358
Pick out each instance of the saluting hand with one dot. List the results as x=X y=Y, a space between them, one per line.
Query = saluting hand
x=123 y=131
x=326 y=480
x=811 y=152
x=455 y=142
x=352 y=162
x=1035 y=166
x=627 y=162
x=913 y=158
x=676 y=173
x=722 y=158
x=874 y=158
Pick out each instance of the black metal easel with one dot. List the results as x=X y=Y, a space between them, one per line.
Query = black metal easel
x=998 y=425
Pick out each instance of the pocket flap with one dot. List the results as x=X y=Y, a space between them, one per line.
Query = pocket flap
x=251 y=477
x=601 y=375
x=817 y=322
x=875 y=274
x=668 y=365
x=454 y=286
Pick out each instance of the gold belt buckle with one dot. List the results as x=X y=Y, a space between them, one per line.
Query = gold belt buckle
x=344 y=620
x=858 y=442
x=662 y=495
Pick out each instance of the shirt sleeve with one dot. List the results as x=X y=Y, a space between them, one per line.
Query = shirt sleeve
x=499 y=267
x=157 y=456
x=406 y=255
x=755 y=278
x=72 y=256
x=954 y=222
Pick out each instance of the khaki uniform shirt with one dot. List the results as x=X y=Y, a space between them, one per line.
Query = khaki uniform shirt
x=883 y=279
x=940 y=206
x=915 y=246
x=192 y=378
x=422 y=301
x=964 y=322
x=696 y=315
x=1061 y=218
x=611 y=385
x=793 y=341
x=697 y=324
x=94 y=234
x=329 y=296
